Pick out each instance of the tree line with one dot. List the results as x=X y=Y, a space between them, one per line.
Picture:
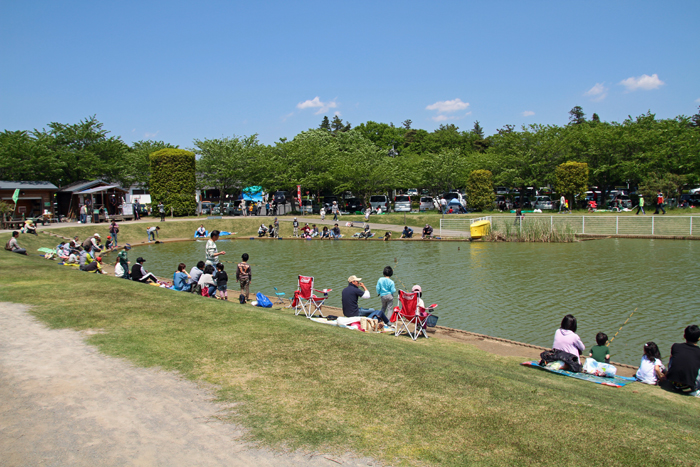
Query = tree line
x=374 y=157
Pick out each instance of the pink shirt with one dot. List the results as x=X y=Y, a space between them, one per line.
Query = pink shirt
x=568 y=341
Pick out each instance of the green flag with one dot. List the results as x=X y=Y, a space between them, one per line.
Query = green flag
x=15 y=197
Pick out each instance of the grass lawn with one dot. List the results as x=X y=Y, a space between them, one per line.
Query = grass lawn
x=298 y=384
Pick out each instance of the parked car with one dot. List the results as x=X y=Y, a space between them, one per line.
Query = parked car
x=379 y=201
x=426 y=203
x=620 y=201
x=328 y=202
x=412 y=192
x=206 y=207
x=543 y=203
x=402 y=203
x=281 y=197
x=309 y=206
x=354 y=205
x=501 y=190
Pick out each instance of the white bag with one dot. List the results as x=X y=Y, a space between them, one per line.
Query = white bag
x=593 y=367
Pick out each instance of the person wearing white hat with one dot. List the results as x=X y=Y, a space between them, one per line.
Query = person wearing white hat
x=418 y=291
x=95 y=246
x=351 y=294
x=334 y=210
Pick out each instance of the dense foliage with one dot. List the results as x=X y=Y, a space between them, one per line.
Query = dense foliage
x=372 y=157
x=480 y=195
x=173 y=180
x=571 y=180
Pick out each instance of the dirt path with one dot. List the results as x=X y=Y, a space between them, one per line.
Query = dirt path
x=64 y=403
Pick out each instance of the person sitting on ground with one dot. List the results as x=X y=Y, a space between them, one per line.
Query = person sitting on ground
x=221 y=282
x=314 y=231
x=92 y=245
x=427 y=231
x=271 y=231
x=152 y=233
x=30 y=227
x=306 y=231
x=181 y=279
x=262 y=230
x=121 y=268
x=335 y=232
x=201 y=232
x=601 y=352
x=109 y=244
x=84 y=257
x=94 y=266
x=566 y=339
x=211 y=249
x=684 y=365
x=206 y=281
x=407 y=232
x=195 y=274
x=325 y=233
x=387 y=236
x=139 y=273
x=651 y=370
x=13 y=246
x=366 y=233
x=351 y=294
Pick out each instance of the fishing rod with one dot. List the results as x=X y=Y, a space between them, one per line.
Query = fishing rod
x=618 y=331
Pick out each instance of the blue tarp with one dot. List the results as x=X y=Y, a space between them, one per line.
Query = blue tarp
x=252 y=193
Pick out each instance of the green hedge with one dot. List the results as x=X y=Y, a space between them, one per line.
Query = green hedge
x=173 y=181
x=480 y=194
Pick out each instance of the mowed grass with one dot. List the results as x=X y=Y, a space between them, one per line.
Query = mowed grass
x=298 y=384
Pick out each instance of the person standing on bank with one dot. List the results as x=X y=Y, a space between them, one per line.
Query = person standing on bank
x=211 y=249
x=114 y=230
x=161 y=210
x=386 y=289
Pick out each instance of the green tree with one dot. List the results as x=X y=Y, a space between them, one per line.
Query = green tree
x=325 y=124
x=173 y=180
x=22 y=157
x=480 y=195
x=444 y=171
x=137 y=167
x=477 y=130
x=576 y=116
x=407 y=123
x=571 y=180
x=225 y=163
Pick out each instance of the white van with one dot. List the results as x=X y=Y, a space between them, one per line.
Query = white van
x=426 y=203
x=379 y=201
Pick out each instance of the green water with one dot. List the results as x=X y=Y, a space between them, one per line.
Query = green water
x=517 y=291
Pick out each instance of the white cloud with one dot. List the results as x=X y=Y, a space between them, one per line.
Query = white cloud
x=528 y=113
x=290 y=114
x=337 y=113
x=151 y=135
x=697 y=100
x=316 y=103
x=597 y=92
x=644 y=82
x=441 y=118
x=448 y=106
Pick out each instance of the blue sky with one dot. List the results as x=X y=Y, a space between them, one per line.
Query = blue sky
x=178 y=71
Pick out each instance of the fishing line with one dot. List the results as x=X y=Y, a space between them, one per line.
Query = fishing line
x=618 y=331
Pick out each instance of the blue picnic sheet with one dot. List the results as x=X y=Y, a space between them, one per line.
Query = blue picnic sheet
x=615 y=382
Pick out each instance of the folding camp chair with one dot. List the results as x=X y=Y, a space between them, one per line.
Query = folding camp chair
x=306 y=301
x=409 y=317
x=280 y=296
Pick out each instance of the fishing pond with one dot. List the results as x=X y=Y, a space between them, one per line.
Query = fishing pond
x=517 y=291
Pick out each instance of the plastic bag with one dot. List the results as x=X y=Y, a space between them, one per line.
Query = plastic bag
x=593 y=367
x=263 y=301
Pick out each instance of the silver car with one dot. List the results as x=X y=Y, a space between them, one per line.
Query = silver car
x=426 y=203
x=402 y=203
x=543 y=203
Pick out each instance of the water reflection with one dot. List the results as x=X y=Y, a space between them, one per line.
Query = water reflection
x=517 y=291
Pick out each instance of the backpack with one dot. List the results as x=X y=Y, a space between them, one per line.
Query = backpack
x=241 y=299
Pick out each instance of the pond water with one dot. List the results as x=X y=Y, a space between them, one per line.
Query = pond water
x=517 y=291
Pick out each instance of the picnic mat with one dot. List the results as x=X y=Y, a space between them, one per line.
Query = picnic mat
x=339 y=323
x=615 y=382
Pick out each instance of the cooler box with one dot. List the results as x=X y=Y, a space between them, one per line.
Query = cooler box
x=480 y=229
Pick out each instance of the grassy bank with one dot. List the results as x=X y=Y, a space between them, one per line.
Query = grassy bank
x=300 y=384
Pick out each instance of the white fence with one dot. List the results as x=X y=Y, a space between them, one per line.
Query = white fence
x=603 y=225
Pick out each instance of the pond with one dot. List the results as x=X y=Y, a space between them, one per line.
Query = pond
x=516 y=291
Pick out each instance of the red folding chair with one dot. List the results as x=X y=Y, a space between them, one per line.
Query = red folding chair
x=409 y=317
x=306 y=301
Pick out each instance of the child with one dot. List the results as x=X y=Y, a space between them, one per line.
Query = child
x=244 y=275
x=684 y=364
x=206 y=281
x=295 y=224
x=221 y=282
x=386 y=289
x=387 y=236
x=600 y=353
x=651 y=370
x=109 y=245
